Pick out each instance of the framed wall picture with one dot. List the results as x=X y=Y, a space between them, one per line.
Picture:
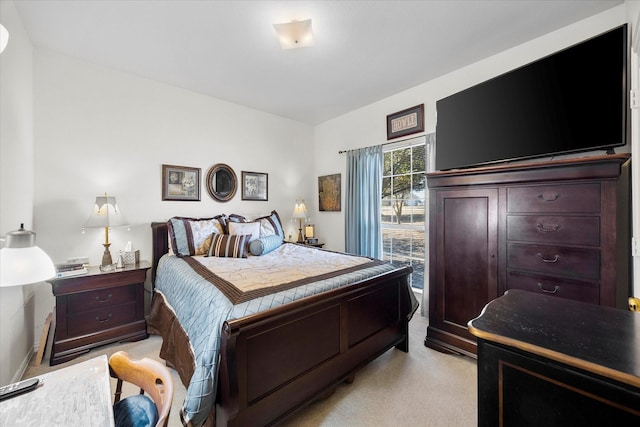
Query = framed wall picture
x=329 y=193
x=180 y=183
x=255 y=186
x=405 y=122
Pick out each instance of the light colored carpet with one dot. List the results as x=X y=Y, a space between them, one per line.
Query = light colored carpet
x=422 y=387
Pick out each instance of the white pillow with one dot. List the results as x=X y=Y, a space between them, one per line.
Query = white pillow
x=244 y=228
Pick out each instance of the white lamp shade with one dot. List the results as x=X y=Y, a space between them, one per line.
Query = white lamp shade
x=300 y=210
x=21 y=266
x=105 y=213
x=4 y=38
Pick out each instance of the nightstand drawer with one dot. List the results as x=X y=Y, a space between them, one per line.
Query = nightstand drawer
x=91 y=300
x=583 y=198
x=96 y=320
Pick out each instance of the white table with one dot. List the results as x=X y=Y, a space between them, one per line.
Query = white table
x=77 y=395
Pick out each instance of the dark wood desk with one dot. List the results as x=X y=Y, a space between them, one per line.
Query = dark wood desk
x=556 y=362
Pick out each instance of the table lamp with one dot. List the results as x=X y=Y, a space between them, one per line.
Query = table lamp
x=105 y=215
x=300 y=213
x=21 y=261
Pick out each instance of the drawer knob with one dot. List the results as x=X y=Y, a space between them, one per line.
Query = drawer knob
x=548 y=228
x=546 y=291
x=103 y=320
x=549 y=198
x=552 y=260
x=105 y=299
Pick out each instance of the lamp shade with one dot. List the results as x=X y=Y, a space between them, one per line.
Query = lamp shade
x=4 y=38
x=300 y=210
x=105 y=213
x=22 y=262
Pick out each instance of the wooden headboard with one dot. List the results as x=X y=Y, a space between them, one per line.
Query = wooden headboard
x=160 y=246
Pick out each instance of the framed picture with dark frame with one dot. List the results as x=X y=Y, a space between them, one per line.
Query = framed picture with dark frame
x=255 y=186
x=329 y=192
x=180 y=183
x=405 y=122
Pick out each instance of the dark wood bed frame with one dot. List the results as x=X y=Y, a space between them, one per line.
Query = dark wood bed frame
x=278 y=361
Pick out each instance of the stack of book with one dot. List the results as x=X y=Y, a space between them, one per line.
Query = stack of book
x=67 y=270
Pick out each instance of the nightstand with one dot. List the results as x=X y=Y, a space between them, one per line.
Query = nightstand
x=317 y=245
x=98 y=308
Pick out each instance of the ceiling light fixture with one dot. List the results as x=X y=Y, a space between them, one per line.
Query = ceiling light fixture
x=295 y=34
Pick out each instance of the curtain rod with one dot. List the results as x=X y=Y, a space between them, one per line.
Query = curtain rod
x=391 y=142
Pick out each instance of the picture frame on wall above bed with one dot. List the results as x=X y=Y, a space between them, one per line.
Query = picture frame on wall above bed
x=255 y=186
x=180 y=183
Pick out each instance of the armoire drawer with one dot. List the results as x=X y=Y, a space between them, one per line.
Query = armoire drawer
x=555 y=260
x=579 y=198
x=101 y=298
x=569 y=230
x=563 y=288
x=101 y=319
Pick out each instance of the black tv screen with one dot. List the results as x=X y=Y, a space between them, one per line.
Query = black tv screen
x=571 y=101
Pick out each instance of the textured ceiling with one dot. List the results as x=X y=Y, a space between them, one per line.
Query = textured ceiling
x=364 y=50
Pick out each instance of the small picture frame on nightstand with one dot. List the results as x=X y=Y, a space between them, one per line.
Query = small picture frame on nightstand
x=312 y=241
x=309 y=231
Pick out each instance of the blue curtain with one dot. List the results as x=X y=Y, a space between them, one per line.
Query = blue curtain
x=363 y=235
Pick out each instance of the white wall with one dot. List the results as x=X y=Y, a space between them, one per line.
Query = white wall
x=367 y=126
x=16 y=188
x=99 y=130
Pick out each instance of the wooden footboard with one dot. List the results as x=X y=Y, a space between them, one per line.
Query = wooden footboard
x=280 y=360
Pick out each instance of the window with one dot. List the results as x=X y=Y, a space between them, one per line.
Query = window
x=404 y=206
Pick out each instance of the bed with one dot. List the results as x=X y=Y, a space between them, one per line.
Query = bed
x=266 y=354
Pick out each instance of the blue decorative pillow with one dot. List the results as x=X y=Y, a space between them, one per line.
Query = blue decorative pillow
x=264 y=245
x=192 y=236
x=135 y=411
x=270 y=225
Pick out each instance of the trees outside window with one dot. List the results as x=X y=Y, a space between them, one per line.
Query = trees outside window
x=404 y=208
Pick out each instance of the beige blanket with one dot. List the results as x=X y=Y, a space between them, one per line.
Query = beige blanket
x=291 y=265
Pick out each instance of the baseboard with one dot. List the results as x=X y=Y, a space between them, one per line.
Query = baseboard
x=23 y=366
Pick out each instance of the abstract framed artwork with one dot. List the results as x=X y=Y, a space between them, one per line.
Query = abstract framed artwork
x=180 y=183
x=329 y=193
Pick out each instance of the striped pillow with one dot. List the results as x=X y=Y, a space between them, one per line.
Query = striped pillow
x=225 y=245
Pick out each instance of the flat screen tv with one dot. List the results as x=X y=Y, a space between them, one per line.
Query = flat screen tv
x=572 y=101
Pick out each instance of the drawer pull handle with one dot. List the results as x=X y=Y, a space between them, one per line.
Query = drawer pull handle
x=551 y=198
x=546 y=291
x=104 y=300
x=103 y=320
x=554 y=259
x=548 y=228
